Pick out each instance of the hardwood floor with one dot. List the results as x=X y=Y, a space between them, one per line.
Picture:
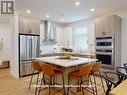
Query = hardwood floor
x=13 y=86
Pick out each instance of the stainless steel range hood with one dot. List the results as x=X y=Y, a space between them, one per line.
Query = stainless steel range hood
x=49 y=33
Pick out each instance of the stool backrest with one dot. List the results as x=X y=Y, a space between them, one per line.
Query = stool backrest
x=48 y=69
x=36 y=66
x=85 y=70
x=96 y=67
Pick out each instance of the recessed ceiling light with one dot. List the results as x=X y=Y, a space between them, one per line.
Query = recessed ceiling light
x=92 y=10
x=47 y=16
x=62 y=19
x=77 y=3
x=28 y=11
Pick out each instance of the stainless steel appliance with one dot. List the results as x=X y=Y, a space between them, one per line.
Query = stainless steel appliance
x=104 y=51
x=49 y=33
x=28 y=49
x=104 y=43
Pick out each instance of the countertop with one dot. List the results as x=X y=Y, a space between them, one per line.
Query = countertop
x=73 y=53
x=66 y=62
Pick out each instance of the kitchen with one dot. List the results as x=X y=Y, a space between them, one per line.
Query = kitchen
x=85 y=37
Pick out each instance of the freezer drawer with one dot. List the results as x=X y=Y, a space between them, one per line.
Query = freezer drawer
x=26 y=68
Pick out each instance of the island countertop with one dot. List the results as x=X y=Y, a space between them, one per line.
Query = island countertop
x=75 y=61
x=76 y=54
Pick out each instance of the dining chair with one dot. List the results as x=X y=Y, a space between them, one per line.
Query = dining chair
x=125 y=65
x=121 y=72
x=111 y=79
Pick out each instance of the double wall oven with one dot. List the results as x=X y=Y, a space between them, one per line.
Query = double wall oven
x=104 y=51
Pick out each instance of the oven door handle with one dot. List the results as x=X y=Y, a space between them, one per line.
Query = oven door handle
x=103 y=53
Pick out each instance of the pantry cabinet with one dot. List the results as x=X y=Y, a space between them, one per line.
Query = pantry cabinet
x=105 y=27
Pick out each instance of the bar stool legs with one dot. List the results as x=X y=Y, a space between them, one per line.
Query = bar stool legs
x=95 y=82
x=102 y=82
x=31 y=80
x=81 y=85
x=37 y=80
x=37 y=83
x=80 y=74
x=63 y=83
x=42 y=81
x=68 y=84
x=50 y=84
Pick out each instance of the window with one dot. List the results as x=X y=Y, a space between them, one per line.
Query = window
x=81 y=38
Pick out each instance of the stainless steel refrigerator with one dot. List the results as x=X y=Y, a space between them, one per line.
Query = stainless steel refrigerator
x=29 y=48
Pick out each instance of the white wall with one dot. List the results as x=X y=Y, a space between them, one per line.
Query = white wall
x=9 y=37
x=5 y=35
x=14 y=65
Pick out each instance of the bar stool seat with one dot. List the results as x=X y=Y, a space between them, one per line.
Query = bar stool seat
x=75 y=73
x=57 y=71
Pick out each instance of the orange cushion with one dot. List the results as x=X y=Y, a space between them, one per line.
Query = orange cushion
x=75 y=73
x=57 y=71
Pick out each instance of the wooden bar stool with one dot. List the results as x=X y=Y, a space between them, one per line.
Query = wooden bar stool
x=36 y=69
x=96 y=70
x=83 y=72
x=51 y=72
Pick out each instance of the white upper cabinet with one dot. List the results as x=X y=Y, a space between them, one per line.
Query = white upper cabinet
x=29 y=26
x=105 y=27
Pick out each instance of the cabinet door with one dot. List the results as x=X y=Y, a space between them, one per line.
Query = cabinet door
x=105 y=27
x=99 y=27
x=21 y=26
x=37 y=27
x=29 y=26
x=108 y=26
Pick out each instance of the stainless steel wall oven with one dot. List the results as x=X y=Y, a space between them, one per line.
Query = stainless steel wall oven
x=104 y=50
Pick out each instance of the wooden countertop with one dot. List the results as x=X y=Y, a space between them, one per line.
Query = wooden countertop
x=66 y=62
x=121 y=89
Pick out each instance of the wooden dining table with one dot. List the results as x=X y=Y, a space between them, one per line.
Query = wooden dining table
x=65 y=65
x=121 y=89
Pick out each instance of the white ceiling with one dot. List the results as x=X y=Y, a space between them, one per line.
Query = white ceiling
x=56 y=8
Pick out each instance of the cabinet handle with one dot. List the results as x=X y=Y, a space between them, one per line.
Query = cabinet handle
x=103 y=33
x=29 y=31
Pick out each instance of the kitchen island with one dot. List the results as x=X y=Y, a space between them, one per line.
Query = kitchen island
x=76 y=54
x=65 y=65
